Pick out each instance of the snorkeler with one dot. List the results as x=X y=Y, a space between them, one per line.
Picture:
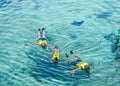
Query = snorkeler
x=56 y=54
x=81 y=65
x=41 y=39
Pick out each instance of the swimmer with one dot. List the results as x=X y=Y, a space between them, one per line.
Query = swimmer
x=81 y=65
x=41 y=39
x=56 y=54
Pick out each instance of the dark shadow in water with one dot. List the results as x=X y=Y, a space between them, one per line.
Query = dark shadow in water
x=110 y=37
x=37 y=4
x=73 y=36
x=115 y=44
x=104 y=15
x=4 y=3
x=19 y=0
x=77 y=23
x=45 y=69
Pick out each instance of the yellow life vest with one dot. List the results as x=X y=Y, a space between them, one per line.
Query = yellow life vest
x=82 y=64
x=40 y=42
x=56 y=55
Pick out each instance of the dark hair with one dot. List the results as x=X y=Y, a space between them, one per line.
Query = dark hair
x=44 y=46
x=87 y=69
x=55 y=60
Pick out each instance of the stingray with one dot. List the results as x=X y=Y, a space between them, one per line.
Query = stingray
x=103 y=15
x=77 y=23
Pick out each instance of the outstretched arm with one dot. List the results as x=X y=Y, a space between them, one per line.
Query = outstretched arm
x=34 y=43
x=73 y=71
x=51 y=47
x=29 y=44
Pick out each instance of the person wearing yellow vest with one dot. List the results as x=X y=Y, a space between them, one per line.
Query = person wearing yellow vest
x=56 y=54
x=81 y=65
x=41 y=39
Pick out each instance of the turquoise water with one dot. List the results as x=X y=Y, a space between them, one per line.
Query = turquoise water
x=30 y=65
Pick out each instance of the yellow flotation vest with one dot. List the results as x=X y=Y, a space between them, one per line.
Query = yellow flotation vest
x=82 y=64
x=56 y=55
x=40 y=42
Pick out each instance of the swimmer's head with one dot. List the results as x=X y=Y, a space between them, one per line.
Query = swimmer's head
x=55 y=60
x=43 y=45
x=87 y=68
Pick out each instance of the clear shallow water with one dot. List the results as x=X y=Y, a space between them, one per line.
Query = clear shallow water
x=30 y=66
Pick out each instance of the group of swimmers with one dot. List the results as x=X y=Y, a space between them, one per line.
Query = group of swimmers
x=80 y=65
